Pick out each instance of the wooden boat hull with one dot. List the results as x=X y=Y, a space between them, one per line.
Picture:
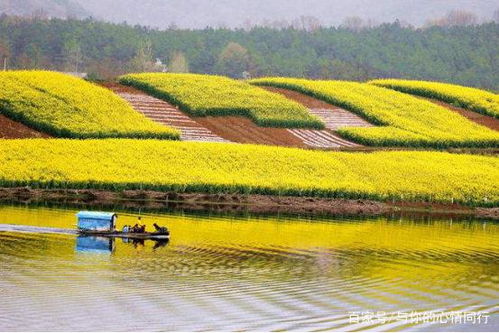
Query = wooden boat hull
x=129 y=235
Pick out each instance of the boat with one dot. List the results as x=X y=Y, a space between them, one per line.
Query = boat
x=129 y=235
x=103 y=224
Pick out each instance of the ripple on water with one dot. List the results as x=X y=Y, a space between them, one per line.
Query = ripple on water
x=249 y=274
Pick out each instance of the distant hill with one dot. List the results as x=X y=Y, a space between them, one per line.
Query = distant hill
x=49 y=8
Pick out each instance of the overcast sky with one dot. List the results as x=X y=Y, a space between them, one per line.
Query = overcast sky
x=238 y=13
x=233 y=13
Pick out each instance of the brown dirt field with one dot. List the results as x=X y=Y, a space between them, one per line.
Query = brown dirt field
x=119 y=88
x=236 y=203
x=476 y=117
x=243 y=130
x=309 y=102
x=10 y=129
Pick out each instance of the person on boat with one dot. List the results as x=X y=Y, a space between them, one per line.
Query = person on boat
x=126 y=228
x=135 y=228
x=139 y=227
x=159 y=229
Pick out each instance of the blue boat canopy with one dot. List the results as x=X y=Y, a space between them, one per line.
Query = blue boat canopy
x=100 y=221
x=95 y=215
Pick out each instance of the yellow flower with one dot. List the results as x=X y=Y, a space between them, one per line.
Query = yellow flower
x=66 y=106
x=402 y=120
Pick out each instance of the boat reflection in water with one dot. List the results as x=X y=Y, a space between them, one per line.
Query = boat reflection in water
x=95 y=244
x=140 y=242
x=107 y=245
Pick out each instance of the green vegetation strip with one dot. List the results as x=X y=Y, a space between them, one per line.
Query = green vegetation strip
x=66 y=106
x=403 y=120
x=118 y=164
x=468 y=98
x=209 y=95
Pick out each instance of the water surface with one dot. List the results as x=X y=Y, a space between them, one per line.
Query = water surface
x=249 y=273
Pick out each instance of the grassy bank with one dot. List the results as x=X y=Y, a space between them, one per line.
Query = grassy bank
x=214 y=168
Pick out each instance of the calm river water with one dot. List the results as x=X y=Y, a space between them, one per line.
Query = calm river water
x=251 y=273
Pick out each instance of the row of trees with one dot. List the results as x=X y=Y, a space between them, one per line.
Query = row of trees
x=461 y=54
x=457 y=17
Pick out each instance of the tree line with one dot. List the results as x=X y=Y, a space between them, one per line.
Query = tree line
x=465 y=54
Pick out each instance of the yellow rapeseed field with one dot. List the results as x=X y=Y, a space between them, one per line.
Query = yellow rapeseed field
x=403 y=119
x=118 y=164
x=66 y=106
x=469 y=98
x=205 y=95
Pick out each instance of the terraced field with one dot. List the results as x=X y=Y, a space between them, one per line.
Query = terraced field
x=333 y=117
x=224 y=110
x=236 y=128
x=472 y=99
x=209 y=95
x=403 y=120
x=65 y=106
x=165 y=113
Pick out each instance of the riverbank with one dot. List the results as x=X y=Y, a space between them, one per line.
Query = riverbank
x=234 y=203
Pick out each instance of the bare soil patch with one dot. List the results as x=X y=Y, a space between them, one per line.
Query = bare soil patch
x=10 y=129
x=119 y=88
x=243 y=130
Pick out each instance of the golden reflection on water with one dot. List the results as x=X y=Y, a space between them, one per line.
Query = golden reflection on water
x=246 y=273
x=288 y=232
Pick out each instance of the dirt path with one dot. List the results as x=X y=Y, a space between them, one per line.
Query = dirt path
x=476 y=117
x=334 y=118
x=165 y=113
x=10 y=129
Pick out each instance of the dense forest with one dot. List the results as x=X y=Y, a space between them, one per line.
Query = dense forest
x=459 y=54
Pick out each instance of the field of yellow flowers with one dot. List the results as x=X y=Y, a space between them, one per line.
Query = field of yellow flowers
x=118 y=164
x=468 y=98
x=402 y=120
x=65 y=106
x=202 y=95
